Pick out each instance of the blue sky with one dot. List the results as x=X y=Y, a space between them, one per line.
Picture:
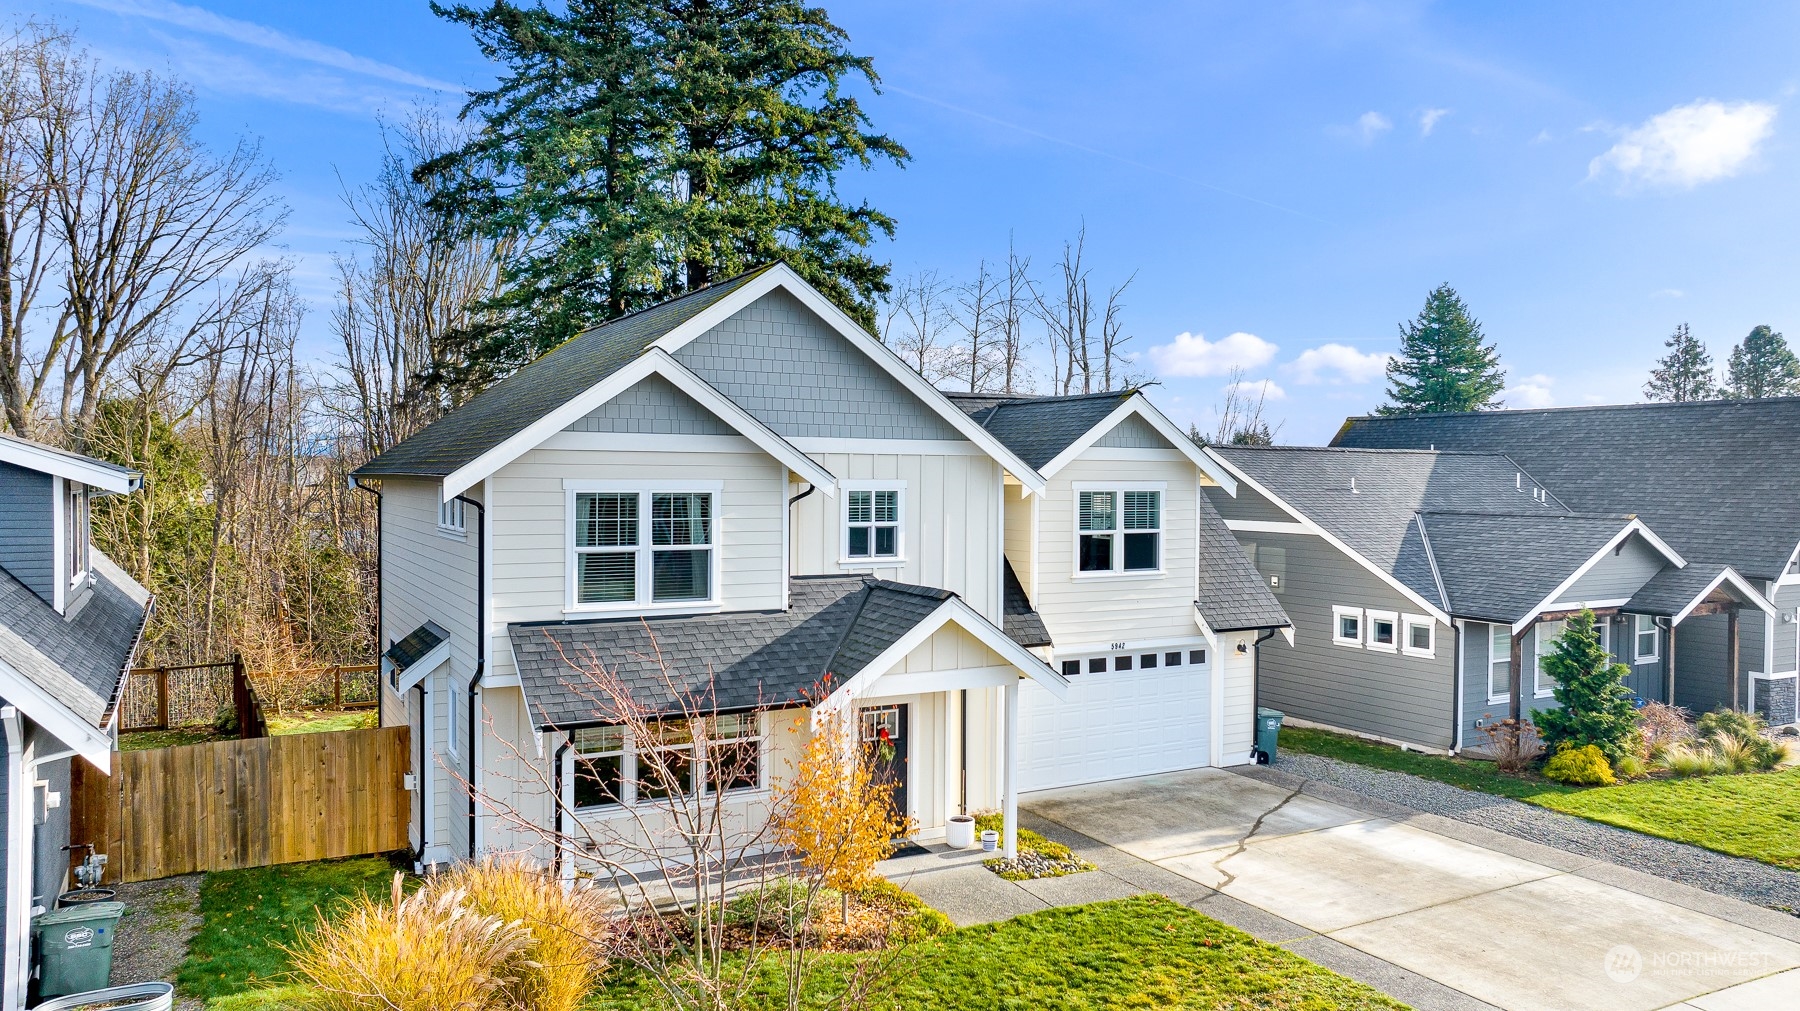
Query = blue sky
x=1287 y=179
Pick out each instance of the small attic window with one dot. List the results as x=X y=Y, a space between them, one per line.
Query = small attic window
x=75 y=530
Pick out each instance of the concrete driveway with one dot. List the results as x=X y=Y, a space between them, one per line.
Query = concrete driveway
x=1498 y=919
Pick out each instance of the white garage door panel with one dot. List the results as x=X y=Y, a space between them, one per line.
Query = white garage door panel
x=1114 y=725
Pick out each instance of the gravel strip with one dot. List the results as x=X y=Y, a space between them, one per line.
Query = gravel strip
x=1735 y=877
x=160 y=919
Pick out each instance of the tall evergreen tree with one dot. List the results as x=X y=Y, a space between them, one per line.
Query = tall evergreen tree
x=1596 y=704
x=1685 y=373
x=638 y=149
x=1763 y=366
x=1443 y=363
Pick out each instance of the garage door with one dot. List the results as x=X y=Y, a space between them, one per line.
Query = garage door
x=1114 y=725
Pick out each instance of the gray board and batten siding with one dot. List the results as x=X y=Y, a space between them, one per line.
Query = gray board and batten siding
x=28 y=529
x=780 y=362
x=1480 y=709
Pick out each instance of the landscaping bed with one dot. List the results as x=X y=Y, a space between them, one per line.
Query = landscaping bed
x=1038 y=857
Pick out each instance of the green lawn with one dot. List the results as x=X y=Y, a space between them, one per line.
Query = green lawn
x=148 y=740
x=246 y=916
x=319 y=721
x=1754 y=815
x=1143 y=952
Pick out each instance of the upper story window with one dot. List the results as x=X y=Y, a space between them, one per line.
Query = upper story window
x=1118 y=529
x=453 y=517
x=670 y=758
x=1644 y=634
x=1347 y=626
x=1382 y=631
x=872 y=522
x=643 y=547
x=1419 y=635
x=75 y=530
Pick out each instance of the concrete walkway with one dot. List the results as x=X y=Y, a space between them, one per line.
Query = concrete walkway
x=1437 y=913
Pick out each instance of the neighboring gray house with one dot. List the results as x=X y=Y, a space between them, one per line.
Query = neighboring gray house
x=1425 y=586
x=70 y=621
x=1718 y=479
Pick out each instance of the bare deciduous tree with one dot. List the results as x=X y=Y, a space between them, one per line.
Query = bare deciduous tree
x=979 y=319
x=1241 y=418
x=916 y=317
x=1016 y=298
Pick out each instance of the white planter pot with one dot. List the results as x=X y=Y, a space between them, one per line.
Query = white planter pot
x=959 y=832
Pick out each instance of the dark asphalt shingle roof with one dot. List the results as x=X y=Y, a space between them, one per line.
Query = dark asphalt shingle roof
x=1672 y=589
x=418 y=642
x=1038 y=428
x=1716 y=479
x=79 y=661
x=1233 y=595
x=1368 y=499
x=1500 y=566
x=511 y=405
x=1023 y=624
x=833 y=627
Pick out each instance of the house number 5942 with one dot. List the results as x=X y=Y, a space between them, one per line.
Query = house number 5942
x=1116 y=645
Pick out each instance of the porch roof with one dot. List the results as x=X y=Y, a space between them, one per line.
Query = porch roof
x=834 y=627
x=1675 y=593
x=1499 y=567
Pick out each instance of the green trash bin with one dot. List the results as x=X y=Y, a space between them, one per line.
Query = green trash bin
x=1268 y=728
x=74 y=947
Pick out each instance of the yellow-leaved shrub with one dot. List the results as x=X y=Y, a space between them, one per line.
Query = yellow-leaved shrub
x=1583 y=766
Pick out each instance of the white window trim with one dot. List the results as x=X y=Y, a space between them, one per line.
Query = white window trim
x=643 y=604
x=1637 y=639
x=1119 y=571
x=1505 y=659
x=628 y=776
x=453 y=519
x=1369 y=620
x=1542 y=687
x=76 y=517
x=450 y=716
x=873 y=561
x=1338 y=613
x=1408 y=622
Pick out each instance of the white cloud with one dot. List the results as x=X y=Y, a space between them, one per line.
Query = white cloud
x=1667 y=293
x=1689 y=145
x=1191 y=354
x=1532 y=391
x=1338 y=364
x=1255 y=389
x=1428 y=120
x=1543 y=137
x=1371 y=125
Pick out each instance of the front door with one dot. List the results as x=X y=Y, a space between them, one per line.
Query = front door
x=884 y=732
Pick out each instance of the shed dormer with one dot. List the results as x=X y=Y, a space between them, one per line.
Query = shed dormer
x=45 y=527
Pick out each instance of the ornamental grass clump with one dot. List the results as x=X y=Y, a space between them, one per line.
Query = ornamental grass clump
x=1738 y=738
x=1583 y=766
x=562 y=960
x=425 y=952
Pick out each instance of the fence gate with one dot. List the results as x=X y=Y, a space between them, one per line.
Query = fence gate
x=246 y=803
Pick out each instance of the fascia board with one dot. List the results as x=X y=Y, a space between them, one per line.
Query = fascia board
x=783 y=276
x=422 y=667
x=1138 y=405
x=1631 y=527
x=45 y=461
x=1318 y=531
x=1726 y=575
x=88 y=741
x=966 y=617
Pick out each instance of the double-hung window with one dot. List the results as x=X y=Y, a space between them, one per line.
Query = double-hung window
x=1119 y=530
x=1645 y=638
x=643 y=547
x=872 y=522
x=1547 y=633
x=668 y=759
x=75 y=530
x=1499 y=662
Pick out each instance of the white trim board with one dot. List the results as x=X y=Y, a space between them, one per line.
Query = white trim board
x=782 y=276
x=1136 y=404
x=73 y=468
x=1739 y=582
x=1631 y=527
x=654 y=361
x=955 y=610
x=42 y=708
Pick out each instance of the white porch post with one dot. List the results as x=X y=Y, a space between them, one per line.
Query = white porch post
x=1010 y=803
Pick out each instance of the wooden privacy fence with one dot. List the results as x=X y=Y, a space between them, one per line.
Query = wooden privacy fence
x=246 y=803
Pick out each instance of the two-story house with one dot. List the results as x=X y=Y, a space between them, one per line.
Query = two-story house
x=70 y=622
x=740 y=501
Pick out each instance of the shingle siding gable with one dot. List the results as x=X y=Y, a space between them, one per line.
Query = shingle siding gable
x=27 y=529
x=653 y=407
x=1133 y=433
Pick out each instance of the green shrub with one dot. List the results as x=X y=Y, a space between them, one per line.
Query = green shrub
x=916 y=921
x=1739 y=740
x=1590 y=687
x=780 y=907
x=1631 y=767
x=1583 y=766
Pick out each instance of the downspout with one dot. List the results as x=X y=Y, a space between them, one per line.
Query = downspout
x=424 y=780
x=379 y=615
x=481 y=644
x=795 y=498
x=556 y=767
x=1456 y=687
x=1256 y=683
x=962 y=750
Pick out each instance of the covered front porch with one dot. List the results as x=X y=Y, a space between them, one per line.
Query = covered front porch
x=1717 y=629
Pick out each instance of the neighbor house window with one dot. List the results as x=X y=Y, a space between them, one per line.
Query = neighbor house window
x=872 y=523
x=1347 y=626
x=75 y=529
x=1499 y=662
x=614 y=766
x=1119 y=530
x=453 y=516
x=1418 y=635
x=1547 y=634
x=1383 y=630
x=643 y=547
x=1644 y=627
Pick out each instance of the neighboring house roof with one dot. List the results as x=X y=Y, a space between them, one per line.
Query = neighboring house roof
x=512 y=404
x=1499 y=566
x=1369 y=500
x=1233 y=596
x=62 y=463
x=1716 y=478
x=1023 y=624
x=78 y=661
x=834 y=627
x=1039 y=428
